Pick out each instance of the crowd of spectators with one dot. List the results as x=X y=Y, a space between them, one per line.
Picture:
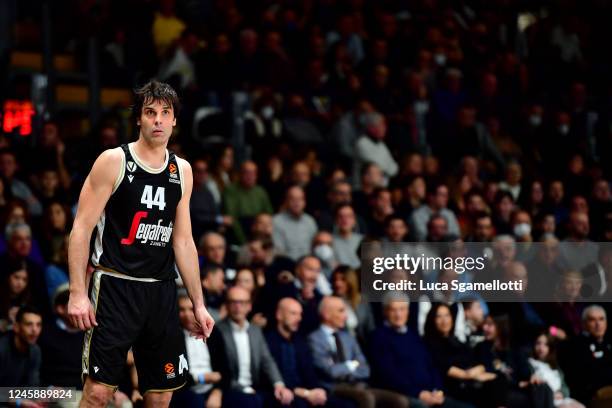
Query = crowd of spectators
x=390 y=121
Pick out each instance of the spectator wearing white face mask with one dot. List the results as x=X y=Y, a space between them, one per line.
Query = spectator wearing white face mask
x=322 y=248
x=521 y=229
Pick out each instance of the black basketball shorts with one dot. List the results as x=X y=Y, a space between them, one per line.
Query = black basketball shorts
x=137 y=314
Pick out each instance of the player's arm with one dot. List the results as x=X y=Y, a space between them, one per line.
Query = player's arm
x=95 y=193
x=186 y=255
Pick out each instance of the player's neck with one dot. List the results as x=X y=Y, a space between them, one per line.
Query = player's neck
x=152 y=155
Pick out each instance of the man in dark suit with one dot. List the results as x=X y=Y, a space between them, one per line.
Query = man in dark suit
x=340 y=363
x=249 y=375
x=587 y=359
x=294 y=358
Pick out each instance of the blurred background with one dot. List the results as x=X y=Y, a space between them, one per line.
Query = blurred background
x=314 y=125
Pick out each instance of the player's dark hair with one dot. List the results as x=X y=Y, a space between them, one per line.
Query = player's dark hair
x=154 y=91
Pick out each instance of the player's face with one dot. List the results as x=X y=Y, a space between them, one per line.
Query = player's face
x=156 y=122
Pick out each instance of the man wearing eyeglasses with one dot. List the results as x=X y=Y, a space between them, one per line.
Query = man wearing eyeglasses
x=244 y=360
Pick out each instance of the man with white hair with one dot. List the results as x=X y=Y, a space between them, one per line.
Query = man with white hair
x=340 y=363
x=588 y=357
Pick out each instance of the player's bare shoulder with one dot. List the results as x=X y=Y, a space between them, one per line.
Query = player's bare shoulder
x=108 y=167
x=186 y=174
x=184 y=164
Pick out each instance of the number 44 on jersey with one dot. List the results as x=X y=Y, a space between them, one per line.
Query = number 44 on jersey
x=150 y=200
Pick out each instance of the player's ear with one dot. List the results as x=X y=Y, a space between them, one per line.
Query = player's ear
x=174 y=121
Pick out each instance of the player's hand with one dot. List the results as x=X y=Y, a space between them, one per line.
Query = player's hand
x=136 y=396
x=204 y=323
x=80 y=311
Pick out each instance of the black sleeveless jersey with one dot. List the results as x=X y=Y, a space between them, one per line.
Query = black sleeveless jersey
x=134 y=233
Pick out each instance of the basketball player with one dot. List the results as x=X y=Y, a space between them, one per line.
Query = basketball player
x=137 y=196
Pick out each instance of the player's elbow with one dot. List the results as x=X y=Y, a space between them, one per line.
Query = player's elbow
x=182 y=243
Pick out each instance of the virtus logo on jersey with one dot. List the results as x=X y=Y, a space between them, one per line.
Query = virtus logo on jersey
x=154 y=234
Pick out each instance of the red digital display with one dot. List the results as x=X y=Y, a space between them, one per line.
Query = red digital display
x=17 y=115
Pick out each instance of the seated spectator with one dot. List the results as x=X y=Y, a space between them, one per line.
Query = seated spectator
x=525 y=320
x=564 y=316
x=19 y=237
x=413 y=195
x=437 y=201
x=598 y=274
x=322 y=248
x=57 y=222
x=213 y=249
x=401 y=361
x=291 y=353
x=50 y=190
x=396 y=229
x=437 y=229
x=244 y=200
x=587 y=359
x=482 y=230
x=222 y=163
x=19 y=189
x=472 y=334
x=303 y=287
x=346 y=240
x=262 y=258
x=19 y=354
x=56 y=273
x=213 y=288
x=360 y=319
x=340 y=363
x=61 y=366
x=511 y=366
x=545 y=268
x=14 y=293
x=15 y=213
x=371 y=148
x=339 y=193
x=512 y=181
x=249 y=375
x=205 y=212
x=577 y=249
x=371 y=177
x=546 y=369
x=200 y=391
x=463 y=377
x=502 y=212
x=380 y=208
x=245 y=278
x=293 y=228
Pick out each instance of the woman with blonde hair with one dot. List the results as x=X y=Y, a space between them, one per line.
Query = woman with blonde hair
x=360 y=319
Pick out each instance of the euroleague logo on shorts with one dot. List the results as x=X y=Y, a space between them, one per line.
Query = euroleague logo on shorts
x=169 y=370
x=169 y=367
